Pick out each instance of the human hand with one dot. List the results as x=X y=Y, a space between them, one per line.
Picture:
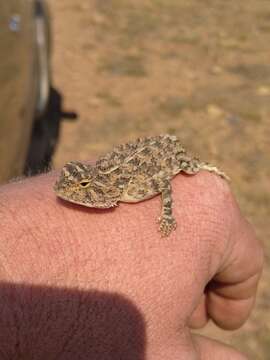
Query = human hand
x=105 y=285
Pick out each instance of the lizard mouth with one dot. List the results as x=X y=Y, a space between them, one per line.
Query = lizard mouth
x=86 y=204
x=68 y=199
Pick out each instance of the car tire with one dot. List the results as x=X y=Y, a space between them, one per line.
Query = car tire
x=45 y=136
x=48 y=100
x=48 y=113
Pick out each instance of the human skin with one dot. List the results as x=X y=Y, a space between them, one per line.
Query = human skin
x=80 y=283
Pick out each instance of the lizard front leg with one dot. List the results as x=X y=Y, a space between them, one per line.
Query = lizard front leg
x=166 y=221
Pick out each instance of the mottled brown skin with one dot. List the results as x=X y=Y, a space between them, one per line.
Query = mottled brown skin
x=131 y=173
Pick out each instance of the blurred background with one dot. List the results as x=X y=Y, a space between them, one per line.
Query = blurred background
x=120 y=69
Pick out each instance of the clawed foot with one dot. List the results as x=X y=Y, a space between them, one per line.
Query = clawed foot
x=166 y=225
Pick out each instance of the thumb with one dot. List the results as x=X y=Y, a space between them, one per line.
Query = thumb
x=209 y=349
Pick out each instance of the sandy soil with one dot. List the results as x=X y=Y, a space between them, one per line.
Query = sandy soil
x=197 y=69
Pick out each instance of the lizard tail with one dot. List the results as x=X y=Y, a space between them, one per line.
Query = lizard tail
x=214 y=169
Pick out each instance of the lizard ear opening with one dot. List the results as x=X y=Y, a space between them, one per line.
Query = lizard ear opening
x=84 y=184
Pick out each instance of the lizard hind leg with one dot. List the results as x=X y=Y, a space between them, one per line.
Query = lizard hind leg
x=194 y=165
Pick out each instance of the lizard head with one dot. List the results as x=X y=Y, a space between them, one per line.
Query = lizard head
x=81 y=184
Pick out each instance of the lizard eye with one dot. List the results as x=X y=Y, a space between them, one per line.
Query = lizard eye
x=84 y=183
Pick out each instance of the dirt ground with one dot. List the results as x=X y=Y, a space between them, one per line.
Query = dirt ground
x=197 y=69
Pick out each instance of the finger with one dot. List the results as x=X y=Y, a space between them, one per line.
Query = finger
x=231 y=295
x=227 y=313
x=209 y=349
x=199 y=317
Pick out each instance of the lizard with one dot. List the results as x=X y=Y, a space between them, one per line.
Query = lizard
x=132 y=172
